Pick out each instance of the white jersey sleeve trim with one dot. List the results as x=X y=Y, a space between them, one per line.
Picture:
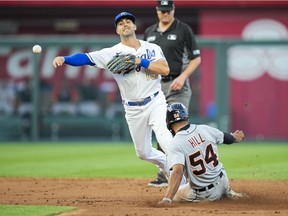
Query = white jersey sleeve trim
x=90 y=58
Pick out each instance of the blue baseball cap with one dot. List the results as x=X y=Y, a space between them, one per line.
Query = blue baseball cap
x=124 y=15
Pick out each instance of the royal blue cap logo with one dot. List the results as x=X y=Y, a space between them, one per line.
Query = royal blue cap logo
x=124 y=15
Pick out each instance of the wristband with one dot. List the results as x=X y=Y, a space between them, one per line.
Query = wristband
x=144 y=63
x=166 y=200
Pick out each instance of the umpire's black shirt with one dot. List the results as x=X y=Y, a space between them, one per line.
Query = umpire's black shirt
x=177 y=42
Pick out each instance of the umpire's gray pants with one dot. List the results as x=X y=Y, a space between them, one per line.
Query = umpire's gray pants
x=182 y=96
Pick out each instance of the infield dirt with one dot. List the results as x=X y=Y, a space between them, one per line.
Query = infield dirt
x=132 y=197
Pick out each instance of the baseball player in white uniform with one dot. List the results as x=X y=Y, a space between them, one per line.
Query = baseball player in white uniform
x=193 y=151
x=143 y=100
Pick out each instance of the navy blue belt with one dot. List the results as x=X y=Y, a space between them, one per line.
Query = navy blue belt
x=142 y=102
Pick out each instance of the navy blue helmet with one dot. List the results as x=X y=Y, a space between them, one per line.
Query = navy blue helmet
x=176 y=112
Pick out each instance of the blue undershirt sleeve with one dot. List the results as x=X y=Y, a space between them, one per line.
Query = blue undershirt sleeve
x=78 y=59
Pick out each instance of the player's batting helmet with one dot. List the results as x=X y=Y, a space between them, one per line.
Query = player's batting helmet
x=176 y=112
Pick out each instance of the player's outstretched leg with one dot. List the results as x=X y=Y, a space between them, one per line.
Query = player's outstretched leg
x=161 y=179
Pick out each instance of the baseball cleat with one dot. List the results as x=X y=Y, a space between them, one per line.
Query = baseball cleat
x=160 y=181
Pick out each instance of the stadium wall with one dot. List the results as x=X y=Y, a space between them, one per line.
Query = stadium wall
x=256 y=97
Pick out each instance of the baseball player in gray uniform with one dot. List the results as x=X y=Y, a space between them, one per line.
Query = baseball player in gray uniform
x=140 y=88
x=194 y=151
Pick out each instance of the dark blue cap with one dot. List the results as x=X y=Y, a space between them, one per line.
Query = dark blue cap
x=124 y=15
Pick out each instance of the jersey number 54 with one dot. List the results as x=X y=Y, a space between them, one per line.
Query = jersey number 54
x=197 y=161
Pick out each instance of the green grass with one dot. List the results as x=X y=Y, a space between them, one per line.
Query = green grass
x=255 y=161
x=72 y=160
x=23 y=210
x=93 y=160
x=118 y=160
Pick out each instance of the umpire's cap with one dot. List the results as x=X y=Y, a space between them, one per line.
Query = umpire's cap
x=124 y=15
x=165 y=5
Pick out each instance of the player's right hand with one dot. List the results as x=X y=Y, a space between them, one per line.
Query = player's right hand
x=163 y=204
x=58 y=61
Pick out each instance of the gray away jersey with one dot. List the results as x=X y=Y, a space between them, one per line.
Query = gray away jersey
x=196 y=149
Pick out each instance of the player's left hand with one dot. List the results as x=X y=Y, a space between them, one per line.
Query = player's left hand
x=239 y=135
x=121 y=63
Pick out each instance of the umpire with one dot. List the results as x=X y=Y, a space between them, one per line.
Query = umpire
x=178 y=43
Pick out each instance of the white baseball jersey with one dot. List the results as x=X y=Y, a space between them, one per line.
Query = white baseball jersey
x=136 y=84
x=196 y=149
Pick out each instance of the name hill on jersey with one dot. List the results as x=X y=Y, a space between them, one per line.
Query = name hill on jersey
x=196 y=140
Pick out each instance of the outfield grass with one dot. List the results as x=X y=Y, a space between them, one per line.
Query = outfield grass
x=93 y=160
x=118 y=160
x=256 y=161
x=83 y=160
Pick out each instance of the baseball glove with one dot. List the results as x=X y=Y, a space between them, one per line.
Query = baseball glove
x=121 y=63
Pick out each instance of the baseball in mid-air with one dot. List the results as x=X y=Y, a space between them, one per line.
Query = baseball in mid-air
x=36 y=49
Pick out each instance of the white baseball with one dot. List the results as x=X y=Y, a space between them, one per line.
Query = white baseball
x=36 y=49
